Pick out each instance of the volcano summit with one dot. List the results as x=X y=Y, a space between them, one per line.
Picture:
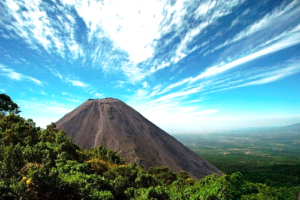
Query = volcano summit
x=119 y=127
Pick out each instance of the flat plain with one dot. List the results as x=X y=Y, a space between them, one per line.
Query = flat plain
x=262 y=155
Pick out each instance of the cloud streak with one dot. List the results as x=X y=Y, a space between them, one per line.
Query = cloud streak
x=172 y=102
x=290 y=39
x=68 y=79
x=11 y=74
x=277 y=73
x=78 y=83
x=207 y=13
x=31 y=20
x=269 y=26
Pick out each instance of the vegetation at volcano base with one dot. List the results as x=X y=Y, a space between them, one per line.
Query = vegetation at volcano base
x=40 y=163
x=270 y=156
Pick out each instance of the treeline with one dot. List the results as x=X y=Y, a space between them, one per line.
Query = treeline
x=45 y=164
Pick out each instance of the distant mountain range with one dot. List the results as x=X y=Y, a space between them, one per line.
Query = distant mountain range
x=295 y=128
x=281 y=131
x=119 y=127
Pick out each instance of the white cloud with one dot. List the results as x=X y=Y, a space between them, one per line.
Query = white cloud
x=68 y=79
x=283 y=16
x=120 y=84
x=35 y=80
x=78 y=83
x=14 y=75
x=145 y=85
x=209 y=12
x=204 y=8
x=34 y=25
x=290 y=39
x=140 y=95
x=98 y=95
x=167 y=106
x=142 y=24
x=181 y=94
x=11 y=74
x=137 y=21
x=256 y=76
x=55 y=73
x=174 y=115
x=133 y=72
x=269 y=20
x=174 y=85
x=182 y=49
x=278 y=73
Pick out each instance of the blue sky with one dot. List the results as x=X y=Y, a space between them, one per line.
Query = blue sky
x=188 y=66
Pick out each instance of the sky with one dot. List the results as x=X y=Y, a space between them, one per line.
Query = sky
x=188 y=66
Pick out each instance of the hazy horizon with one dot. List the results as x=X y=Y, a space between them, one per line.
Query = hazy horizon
x=187 y=66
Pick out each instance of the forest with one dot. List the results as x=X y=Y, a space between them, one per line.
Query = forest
x=38 y=163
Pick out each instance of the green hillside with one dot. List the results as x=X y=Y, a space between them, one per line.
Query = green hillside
x=45 y=164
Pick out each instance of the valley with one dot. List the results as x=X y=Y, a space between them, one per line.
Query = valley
x=269 y=155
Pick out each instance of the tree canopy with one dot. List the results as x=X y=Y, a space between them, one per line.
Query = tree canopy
x=7 y=105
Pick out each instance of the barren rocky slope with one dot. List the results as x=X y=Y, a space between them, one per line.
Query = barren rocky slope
x=119 y=127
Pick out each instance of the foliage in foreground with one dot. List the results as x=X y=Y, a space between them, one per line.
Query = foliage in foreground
x=45 y=164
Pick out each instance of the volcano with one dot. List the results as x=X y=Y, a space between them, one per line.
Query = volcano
x=115 y=125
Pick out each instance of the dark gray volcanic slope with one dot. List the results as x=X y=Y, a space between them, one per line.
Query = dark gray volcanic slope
x=120 y=128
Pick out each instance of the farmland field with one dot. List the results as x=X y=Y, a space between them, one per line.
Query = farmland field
x=263 y=156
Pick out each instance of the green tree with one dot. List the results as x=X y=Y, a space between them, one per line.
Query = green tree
x=7 y=105
x=163 y=175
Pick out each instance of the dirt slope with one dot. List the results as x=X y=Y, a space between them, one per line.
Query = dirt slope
x=119 y=127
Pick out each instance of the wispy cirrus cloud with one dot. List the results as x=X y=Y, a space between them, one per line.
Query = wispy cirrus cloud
x=206 y=15
x=67 y=79
x=287 y=40
x=174 y=85
x=42 y=26
x=270 y=26
x=177 y=107
x=77 y=83
x=196 y=84
x=173 y=97
x=11 y=74
x=146 y=27
x=170 y=111
x=268 y=75
x=255 y=76
x=136 y=38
